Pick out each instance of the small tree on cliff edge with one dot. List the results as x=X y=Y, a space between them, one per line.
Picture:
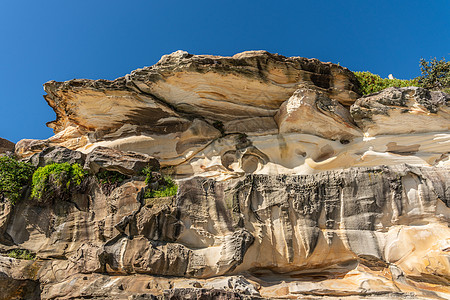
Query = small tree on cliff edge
x=435 y=74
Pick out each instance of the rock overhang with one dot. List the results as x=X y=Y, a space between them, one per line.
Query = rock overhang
x=302 y=115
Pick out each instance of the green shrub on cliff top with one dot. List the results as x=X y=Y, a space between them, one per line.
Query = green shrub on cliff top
x=371 y=83
x=435 y=74
x=56 y=180
x=14 y=176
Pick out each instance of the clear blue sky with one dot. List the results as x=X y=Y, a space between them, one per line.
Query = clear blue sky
x=62 y=40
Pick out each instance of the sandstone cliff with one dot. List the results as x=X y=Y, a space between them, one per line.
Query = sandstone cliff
x=290 y=185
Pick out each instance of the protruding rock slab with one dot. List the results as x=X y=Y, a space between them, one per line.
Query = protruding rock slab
x=402 y=111
x=129 y=163
x=311 y=111
x=247 y=85
x=28 y=147
x=56 y=154
x=102 y=105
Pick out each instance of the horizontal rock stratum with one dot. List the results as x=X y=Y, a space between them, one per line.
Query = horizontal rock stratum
x=291 y=185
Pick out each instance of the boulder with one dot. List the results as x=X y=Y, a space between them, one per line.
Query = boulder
x=56 y=154
x=128 y=163
x=233 y=283
x=310 y=111
x=28 y=147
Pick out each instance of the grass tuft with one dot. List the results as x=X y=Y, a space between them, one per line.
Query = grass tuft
x=21 y=254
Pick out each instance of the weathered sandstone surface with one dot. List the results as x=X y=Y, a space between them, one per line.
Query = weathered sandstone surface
x=382 y=112
x=290 y=186
x=362 y=231
x=254 y=112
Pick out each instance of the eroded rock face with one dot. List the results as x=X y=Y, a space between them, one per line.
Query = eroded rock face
x=310 y=111
x=56 y=154
x=364 y=231
x=158 y=99
x=402 y=111
x=18 y=279
x=27 y=147
x=177 y=107
x=290 y=186
x=254 y=112
x=129 y=163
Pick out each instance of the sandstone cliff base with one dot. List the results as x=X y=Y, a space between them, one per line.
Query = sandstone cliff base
x=360 y=232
